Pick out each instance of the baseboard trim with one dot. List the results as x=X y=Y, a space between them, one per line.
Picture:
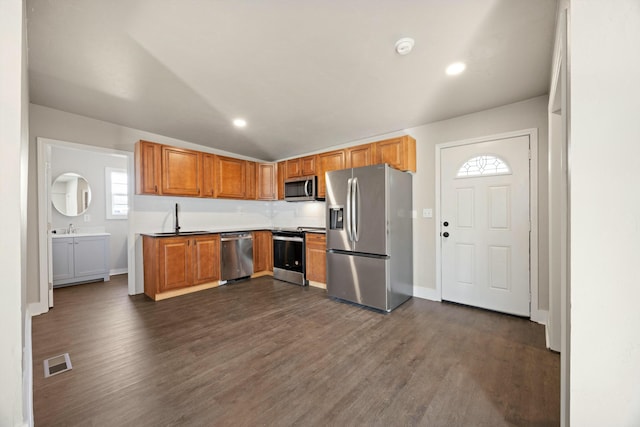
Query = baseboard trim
x=426 y=293
x=118 y=271
x=540 y=316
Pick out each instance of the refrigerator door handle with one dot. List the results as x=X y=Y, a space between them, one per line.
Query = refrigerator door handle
x=356 y=210
x=348 y=213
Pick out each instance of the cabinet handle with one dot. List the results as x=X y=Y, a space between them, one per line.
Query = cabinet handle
x=156 y=188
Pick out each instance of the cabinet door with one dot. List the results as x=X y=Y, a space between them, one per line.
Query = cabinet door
x=231 y=176
x=293 y=168
x=251 y=181
x=147 y=167
x=175 y=263
x=208 y=175
x=262 y=251
x=308 y=165
x=62 y=258
x=206 y=259
x=330 y=161
x=359 y=156
x=282 y=171
x=266 y=181
x=316 y=257
x=91 y=256
x=399 y=153
x=181 y=171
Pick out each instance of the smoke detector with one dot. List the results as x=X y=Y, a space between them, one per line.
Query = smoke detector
x=404 y=45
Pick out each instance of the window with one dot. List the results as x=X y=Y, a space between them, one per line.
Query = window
x=483 y=165
x=117 y=193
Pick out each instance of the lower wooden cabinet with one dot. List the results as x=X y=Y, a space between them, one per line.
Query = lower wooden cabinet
x=262 y=253
x=177 y=265
x=316 y=259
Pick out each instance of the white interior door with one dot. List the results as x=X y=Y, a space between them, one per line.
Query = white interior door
x=485 y=225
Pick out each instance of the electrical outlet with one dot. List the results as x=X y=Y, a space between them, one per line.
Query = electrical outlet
x=87 y=218
x=427 y=213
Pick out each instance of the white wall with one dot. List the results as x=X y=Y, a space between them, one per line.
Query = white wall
x=14 y=405
x=605 y=212
x=91 y=165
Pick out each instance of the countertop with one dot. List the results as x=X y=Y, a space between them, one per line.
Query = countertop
x=226 y=230
x=59 y=235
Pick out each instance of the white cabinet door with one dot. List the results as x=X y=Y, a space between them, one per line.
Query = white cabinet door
x=62 y=258
x=91 y=255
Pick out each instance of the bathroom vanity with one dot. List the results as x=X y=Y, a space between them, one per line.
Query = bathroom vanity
x=80 y=258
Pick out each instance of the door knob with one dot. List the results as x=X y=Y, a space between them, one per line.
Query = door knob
x=445 y=234
x=446 y=223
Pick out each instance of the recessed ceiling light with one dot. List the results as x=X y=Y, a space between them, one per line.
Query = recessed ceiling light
x=404 y=45
x=456 y=68
x=239 y=123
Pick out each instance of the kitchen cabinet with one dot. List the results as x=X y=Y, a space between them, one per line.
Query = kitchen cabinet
x=316 y=259
x=250 y=182
x=329 y=161
x=282 y=171
x=293 y=168
x=399 y=153
x=361 y=155
x=208 y=175
x=147 y=167
x=267 y=183
x=181 y=171
x=262 y=253
x=308 y=165
x=231 y=177
x=178 y=265
x=78 y=259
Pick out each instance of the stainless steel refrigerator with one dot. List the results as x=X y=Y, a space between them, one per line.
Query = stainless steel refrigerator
x=370 y=236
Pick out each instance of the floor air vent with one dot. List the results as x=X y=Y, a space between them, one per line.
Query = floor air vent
x=57 y=365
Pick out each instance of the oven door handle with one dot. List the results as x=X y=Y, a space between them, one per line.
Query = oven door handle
x=288 y=239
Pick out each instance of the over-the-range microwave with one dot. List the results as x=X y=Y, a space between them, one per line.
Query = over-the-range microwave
x=301 y=189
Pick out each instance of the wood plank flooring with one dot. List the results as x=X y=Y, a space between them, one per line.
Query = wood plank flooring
x=264 y=352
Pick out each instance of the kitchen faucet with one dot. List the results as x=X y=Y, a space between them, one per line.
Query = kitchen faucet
x=71 y=229
x=177 y=224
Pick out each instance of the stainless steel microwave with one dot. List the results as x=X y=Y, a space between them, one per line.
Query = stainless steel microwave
x=301 y=189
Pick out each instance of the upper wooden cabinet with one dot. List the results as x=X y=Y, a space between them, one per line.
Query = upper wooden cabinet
x=181 y=171
x=330 y=161
x=267 y=184
x=208 y=175
x=308 y=165
x=400 y=153
x=148 y=164
x=250 y=191
x=282 y=173
x=293 y=168
x=231 y=177
x=361 y=155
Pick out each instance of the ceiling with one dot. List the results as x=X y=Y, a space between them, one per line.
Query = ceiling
x=306 y=75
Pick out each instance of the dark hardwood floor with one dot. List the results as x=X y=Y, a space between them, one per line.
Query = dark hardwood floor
x=263 y=352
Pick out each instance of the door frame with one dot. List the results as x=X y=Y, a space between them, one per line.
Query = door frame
x=537 y=315
x=45 y=280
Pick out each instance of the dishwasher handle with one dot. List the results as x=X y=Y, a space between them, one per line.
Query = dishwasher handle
x=234 y=237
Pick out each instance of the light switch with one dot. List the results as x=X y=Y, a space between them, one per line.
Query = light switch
x=427 y=213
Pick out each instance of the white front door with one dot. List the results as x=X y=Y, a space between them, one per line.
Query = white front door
x=485 y=225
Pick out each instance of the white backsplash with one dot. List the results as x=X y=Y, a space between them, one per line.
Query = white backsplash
x=297 y=214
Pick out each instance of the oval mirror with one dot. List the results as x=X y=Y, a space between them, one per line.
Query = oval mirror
x=71 y=194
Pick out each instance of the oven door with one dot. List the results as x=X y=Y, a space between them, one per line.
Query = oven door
x=288 y=253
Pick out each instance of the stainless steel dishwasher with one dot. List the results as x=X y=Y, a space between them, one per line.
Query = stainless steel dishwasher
x=236 y=256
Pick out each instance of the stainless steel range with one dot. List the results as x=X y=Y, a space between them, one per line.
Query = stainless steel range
x=288 y=256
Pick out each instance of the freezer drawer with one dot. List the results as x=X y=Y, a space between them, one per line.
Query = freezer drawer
x=359 y=279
